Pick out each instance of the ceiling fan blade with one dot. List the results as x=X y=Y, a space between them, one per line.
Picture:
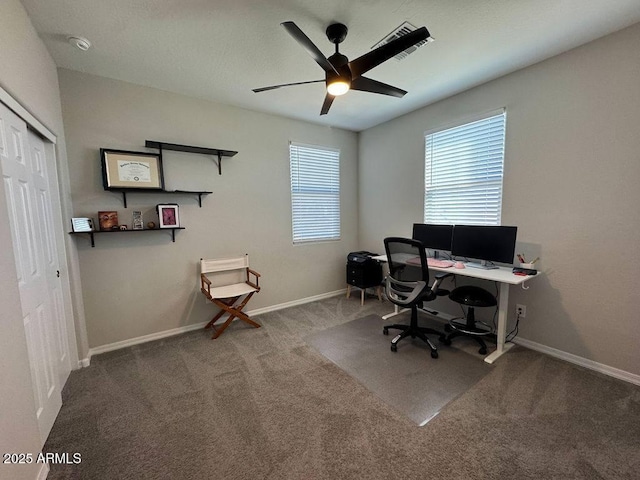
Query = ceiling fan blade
x=381 y=54
x=273 y=87
x=365 y=84
x=314 y=51
x=328 y=100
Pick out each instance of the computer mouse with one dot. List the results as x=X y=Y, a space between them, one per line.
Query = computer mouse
x=459 y=265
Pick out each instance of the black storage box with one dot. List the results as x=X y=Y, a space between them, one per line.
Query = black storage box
x=362 y=270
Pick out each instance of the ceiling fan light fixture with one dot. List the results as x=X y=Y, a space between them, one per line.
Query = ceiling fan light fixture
x=338 y=87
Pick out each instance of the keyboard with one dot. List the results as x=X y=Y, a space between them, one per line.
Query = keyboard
x=435 y=262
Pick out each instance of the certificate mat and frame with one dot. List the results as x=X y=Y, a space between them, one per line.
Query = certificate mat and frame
x=122 y=169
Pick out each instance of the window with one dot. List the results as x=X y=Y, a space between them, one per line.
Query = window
x=315 y=193
x=463 y=172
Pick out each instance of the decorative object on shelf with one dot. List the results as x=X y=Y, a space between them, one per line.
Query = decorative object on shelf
x=123 y=227
x=137 y=220
x=123 y=169
x=82 y=224
x=151 y=225
x=168 y=215
x=108 y=220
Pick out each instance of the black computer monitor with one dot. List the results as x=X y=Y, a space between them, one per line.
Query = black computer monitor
x=434 y=237
x=485 y=243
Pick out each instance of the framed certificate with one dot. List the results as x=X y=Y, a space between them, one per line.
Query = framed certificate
x=123 y=169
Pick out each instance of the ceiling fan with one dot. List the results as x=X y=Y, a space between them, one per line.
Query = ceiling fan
x=342 y=75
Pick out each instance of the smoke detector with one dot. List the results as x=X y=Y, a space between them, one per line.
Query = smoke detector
x=79 y=42
x=403 y=29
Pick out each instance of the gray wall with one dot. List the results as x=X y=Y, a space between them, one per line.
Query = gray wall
x=141 y=284
x=28 y=73
x=572 y=172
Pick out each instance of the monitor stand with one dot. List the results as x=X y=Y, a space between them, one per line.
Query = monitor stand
x=484 y=265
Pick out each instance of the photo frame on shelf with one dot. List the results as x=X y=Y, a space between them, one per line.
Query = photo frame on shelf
x=168 y=215
x=122 y=169
x=82 y=224
x=108 y=220
x=137 y=220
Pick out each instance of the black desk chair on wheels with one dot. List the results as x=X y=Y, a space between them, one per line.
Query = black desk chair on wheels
x=407 y=286
x=472 y=297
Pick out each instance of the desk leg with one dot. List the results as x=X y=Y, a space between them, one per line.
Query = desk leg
x=396 y=311
x=501 y=334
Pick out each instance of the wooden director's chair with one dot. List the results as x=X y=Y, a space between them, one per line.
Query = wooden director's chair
x=225 y=296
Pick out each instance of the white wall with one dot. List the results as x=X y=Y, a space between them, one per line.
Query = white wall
x=140 y=284
x=572 y=172
x=29 y=75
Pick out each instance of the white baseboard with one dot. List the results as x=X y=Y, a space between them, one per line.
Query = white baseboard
x=583 y=362
x=188 y=328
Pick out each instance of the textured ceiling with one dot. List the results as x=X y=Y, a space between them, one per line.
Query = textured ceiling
x=221 y=49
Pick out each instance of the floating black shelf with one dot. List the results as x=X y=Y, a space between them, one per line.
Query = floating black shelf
x=124 y=192
x=190 y=149
x=91 y=234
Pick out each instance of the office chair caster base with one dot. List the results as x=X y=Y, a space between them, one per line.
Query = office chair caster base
x=434 y=354
x=478 y=340
x=394 y=347
x=385 y=331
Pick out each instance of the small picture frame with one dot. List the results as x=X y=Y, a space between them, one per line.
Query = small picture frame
x=82 y=224
x=108 y=220
x=137 y=220
x=122 y=169
x=168 y=215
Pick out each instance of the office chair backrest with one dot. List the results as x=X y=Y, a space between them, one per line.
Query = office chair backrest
x=407 y=259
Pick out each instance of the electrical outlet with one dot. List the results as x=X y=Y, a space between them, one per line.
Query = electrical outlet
x=521 y=310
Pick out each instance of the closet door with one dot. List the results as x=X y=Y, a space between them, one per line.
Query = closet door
x=42 y=155
x=26 y=182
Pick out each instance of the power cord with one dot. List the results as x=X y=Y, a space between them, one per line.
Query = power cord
x=514 y=333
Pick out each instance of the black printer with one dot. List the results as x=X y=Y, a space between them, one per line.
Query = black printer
x=362 y=270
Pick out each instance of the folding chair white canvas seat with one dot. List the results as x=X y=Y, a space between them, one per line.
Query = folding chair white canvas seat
x=229 y=291
x=227 y=295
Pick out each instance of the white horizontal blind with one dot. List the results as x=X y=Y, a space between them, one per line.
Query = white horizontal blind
x=315 y=193
x=463 y=173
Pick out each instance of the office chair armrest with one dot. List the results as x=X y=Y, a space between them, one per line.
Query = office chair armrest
x=203 y=280
x=256 y=275
x=404 y=298
x=439 y=277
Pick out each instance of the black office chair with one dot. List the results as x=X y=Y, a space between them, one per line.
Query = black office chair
x=471 y=296
x=407 y=286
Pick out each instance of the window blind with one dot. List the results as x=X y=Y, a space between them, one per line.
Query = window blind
x=315 y=193
x=463 y=173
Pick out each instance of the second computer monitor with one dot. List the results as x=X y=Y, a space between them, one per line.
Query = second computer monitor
x=486 y=243
x=433 y=237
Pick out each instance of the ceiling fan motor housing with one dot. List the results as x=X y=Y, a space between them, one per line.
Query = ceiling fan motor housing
x=341 y=64
x=337 y=32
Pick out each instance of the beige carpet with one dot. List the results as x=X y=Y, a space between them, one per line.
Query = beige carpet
x=409 y=380
x=262 y=404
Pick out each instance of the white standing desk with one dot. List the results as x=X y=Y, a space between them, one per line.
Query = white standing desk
x=505 y=277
